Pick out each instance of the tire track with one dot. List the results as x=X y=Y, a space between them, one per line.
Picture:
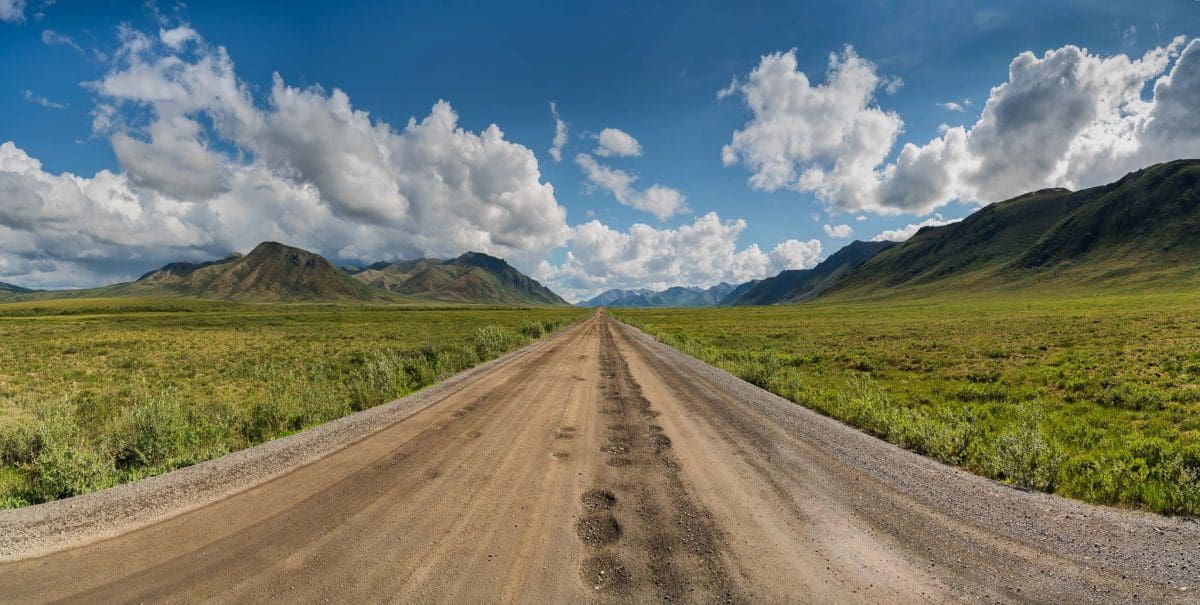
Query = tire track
x=662 y=543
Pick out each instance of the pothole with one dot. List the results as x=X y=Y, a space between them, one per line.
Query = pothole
x=597 y=500
x=605 y=573
x=598 y=529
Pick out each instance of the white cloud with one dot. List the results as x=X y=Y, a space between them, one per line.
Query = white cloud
x=1129 y=37
x=826 y=138
x=612 y=142
x=176 y=37
x=662 y=202
x=51 y=37
x=842 y=231
x=560 y=134
x=211 y=170
x=37 y=99
x=1067 y=118
x=909 y=230
x=703 y=253
x=959 y=106
x=793 y=254
x=12 y=11
x=728 y=91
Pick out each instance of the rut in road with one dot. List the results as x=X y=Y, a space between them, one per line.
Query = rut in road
x=600 y=466
x=666 y=545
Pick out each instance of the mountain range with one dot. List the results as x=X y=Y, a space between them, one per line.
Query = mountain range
x=273 y=272
x=796 y=285
x=678 y=296
x=1143 y=228
x=610 y=296
x=11 y=289
x=470 y=278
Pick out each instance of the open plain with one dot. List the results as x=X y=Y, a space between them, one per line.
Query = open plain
x=595 y=464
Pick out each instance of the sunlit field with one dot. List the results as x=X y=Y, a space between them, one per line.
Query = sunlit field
x=1092 y=397
x=98 y=392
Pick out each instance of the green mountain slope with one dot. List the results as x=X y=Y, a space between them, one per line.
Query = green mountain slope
x=12 y=292
x=13 y=289
x=1141 y=228
x=471 y=278
x=795 y=285
x=272 y=272
x=1151 y=213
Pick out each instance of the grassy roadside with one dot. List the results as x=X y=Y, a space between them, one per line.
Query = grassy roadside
x=1091 y=397
x=95 y=393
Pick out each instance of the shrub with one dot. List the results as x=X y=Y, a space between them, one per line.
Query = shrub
x=62 y=463
x=1133 y=396
x=1025 y=456
x=155 y=430
x=533 y=329
x=491 y=341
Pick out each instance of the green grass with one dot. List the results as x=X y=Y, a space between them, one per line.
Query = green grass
x=99 y=392
x=1091 y=397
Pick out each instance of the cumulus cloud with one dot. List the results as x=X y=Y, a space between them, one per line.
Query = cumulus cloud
x=1068 y=118
x=826 y=138
x=662 y=202
x=37 y=99
x=560 y=134
x=909 y=230
x=612 y=142
x=207 y=169
x=842 y=231
x=12 y=11
x=702 y=253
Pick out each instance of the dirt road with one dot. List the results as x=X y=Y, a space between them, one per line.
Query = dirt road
x=600 y=466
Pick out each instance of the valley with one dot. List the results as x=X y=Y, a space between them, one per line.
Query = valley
x=594 y=466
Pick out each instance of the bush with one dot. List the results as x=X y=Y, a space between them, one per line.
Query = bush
x=155 y=431
x=67 y=468
x=491 y=341
x=533 y=329
x=1133 y=396
x=1025 y=456
x=63 y=463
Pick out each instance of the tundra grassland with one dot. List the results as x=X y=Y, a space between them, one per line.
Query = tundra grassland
x=99 y=392
x=1094 y=397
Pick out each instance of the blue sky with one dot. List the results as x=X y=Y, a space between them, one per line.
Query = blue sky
x=651 y=72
